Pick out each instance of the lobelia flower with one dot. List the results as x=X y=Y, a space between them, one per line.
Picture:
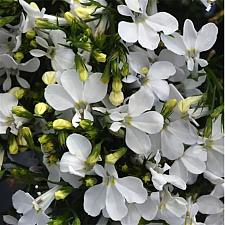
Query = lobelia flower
x=159 y=179
x=7 y=118
x=74 y=161
x=10 y=67
x=62 y=58
x=192 y=43
x=112 y=194
x=33 y=210
x=192 y=161
x=138 y=121
x=147 y=210
x=33 y=13
x=211 y=205
x=74 y=93
x=144 y=28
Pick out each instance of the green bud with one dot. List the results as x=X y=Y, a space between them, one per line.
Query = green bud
x=69 y=17
x=90 y=181
x=146 y=178
x=40 y=108
x=125 y=70
x=125 y=168
x=208 y=128
x=106 y=74
x=217 y=111
x=168 y=107
x=61 y=124
x=33 y=44
x=81 y=68
x=85 y=124
x=22 y=112
x=94 y=156
x=45 y=24
x=92 y=133
x=117 y=85
x=63 y=192
x=59 y=220
x=52 y=159
x=30 y=34
x=18 y=56
x=44 y=139
x=114 y=157
x=99 y=56
x=26 y=133
x=62 y=136
x=13 y=146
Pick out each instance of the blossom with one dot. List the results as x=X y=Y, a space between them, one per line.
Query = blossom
x=62 y=58
x=10 y=67
x=74 y=93
x=7 y=118
x=33 y=210
x=138 y=122
x=144 y=28
x=74 y=161
x=192 y=43
x=113 y=193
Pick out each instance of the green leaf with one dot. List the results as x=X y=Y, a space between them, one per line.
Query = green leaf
x=5 y=20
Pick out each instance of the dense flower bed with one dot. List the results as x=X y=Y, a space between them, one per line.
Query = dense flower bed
x=111 y=112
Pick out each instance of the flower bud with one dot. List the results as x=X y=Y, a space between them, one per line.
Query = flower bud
x=116 y=98
x=63 y=192
x=13 y=146
x=33 y=44
x=106 y=74
x=40 y=108
x=90 y=181
x=125 y=168
x=49 y=77
x=62 y=137
x=30 y=34
x=94 y=156
x=52 y=159
x=117 y=85
x=85 y=124
x=168 y=107
x=185 y=104
x=114 y=157
x=208 y=128
x=217 y=111
x=99 y=56
x=45 y=24
x=18 y=56
x=61 y=124
x=144 y=70
x=18 y=92
x=22 y=112
x=69 y=17
x=26 y=133
x=125 y=70
x=83 y=73
x=85 y=12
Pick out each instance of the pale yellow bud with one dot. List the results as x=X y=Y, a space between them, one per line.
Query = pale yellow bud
x=117 y=85
x=69 y=17
x=13 y=146
x=83 y=74
x=61 y=124
x=116 y=98
x=40 y=108
x=144 y=70
x=63 y=193
x=30 y=34
x=85 y=12
x=184 y=105
x=49 y=77
x=18 y=56
x=114 y=157
x=100 y=57
x=18 y=92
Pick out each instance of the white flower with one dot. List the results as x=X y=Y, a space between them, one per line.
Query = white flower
x=138 y=122
x=33 y=210
x=144 y=28
x=74 y=93
x=62 y=58
x=74 y=161
x=192 y=43
x=192 y=161
x=10 y=220
x=209 y=204
x=113 y=193
x=7 y=118
x=10 y=67
x=147 y=210
x=33 y=13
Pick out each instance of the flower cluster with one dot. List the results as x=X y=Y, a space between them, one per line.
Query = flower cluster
x=105 y=115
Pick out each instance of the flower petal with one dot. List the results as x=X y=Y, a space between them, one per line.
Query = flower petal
x=190 y=34
x=128 y=31
x=7 y=101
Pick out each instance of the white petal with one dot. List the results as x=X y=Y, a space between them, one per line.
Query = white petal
x=158 y=180
x=74 y=181
x=132 y=217
x=94 y=89
x=37 y=53
x=177 y=206
x=94 y=200
x=215 y=163
x=160 y=88
x=115 y=203
x=209 y=204
x=202 y=62
x=217 y=131
x=23 y=83
x=134 y=5
x=115 y=126
x=175 y=181
x=79 y=146
x=58 y=37
x=190 y=34
x=190 y=64
x=174 y=43
x=30 y=66
x=162 y=70
x=149 y=122
x=128 y=31
x=179 y=170
x=7 y=101
x=163 y=21
x=10 y=220
x=124 y=10
x=148 y=209
x=8 y=61
x=172 y=148
x=147 y=37
x=42 y=42
x=137 y=140
x=206 y=37
x=140 y=102
x=28 y=218
x=99 y=170
x=132 y=189
x=57 y=97
x=22 y=201
x=72 y=84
